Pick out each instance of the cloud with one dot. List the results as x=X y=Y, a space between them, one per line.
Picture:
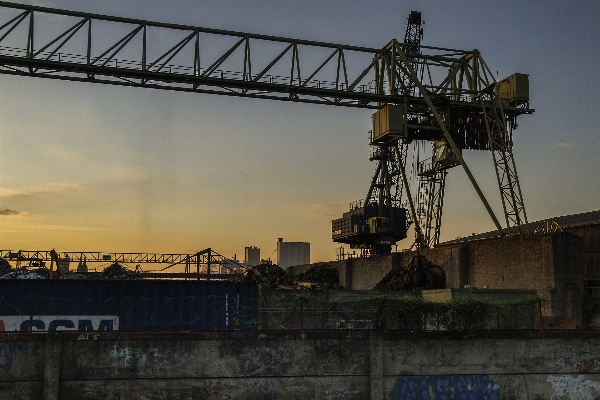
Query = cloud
x=50 y=227
x=564 y=144
x=331 y=210
x=11 y=212
x=34 y=191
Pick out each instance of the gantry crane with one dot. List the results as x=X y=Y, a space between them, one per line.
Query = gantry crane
x=451 y=121
x=421 y=94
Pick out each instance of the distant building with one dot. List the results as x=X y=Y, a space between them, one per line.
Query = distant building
x=63 y=265
x=292 y=253
x=251 y=256
x=230 y=265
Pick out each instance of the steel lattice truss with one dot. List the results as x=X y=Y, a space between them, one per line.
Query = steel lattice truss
x=430 y=208
x=445 y=93
x=196 y=261
x=59 y=44
x=506 y=172
x=385 y=189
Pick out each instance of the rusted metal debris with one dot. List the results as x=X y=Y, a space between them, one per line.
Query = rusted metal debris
x=321 y=274
x=5 y=267
x=8 y=272
x=118 y=271
x=113 y=271
x=270 y=275
x=419 y=273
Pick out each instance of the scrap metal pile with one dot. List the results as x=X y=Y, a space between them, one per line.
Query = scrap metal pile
x=322 y=274
x=5 y=267
x=270 y=275
x=23 y=273
x=8 y=272
x=420 y=273
x=118 y=271
x=273 y=276
x=113 y=271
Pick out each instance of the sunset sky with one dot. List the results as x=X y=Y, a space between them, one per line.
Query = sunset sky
x=88 y=167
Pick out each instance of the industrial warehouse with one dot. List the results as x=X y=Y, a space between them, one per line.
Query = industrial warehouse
x=513 y=313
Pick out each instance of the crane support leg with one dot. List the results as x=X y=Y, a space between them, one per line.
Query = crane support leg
x=431 y=201
x=506 y=172
x=401 y=156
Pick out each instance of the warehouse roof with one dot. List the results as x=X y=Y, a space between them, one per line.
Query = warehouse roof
x=564 y=222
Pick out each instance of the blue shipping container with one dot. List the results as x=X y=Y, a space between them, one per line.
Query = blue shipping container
x=136 y=305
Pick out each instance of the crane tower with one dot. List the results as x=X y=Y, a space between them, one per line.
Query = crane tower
x=469 y=110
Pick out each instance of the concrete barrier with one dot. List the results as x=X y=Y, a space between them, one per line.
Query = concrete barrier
x=551 y=264
x=295 y=365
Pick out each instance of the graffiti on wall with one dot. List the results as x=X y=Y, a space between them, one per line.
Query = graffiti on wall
x=446 y=387
x=126 y=353
x=580 y=365
x=263 y=366
x=567 y=387
x=9 y=348
x=213 y=390
x=340 y=392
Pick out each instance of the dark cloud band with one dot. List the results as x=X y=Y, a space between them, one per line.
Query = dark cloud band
x=10 y=211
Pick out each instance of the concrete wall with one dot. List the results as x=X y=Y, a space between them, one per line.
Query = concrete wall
x=551 y=264
x=367 y=272
x=590 y=235
x=293 y=365
x=358 y=273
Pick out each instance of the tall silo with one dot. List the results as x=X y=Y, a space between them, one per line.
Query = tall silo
x=292 y=253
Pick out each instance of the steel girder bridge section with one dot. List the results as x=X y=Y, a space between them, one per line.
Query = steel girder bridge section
x=202 y=262
x=444 y=94
x=59 y=44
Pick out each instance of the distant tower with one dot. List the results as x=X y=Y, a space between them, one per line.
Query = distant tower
x=82 y=267
x=251 y=256
x=292 y=253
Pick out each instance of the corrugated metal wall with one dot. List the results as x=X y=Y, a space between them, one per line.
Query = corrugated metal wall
x=127 y=305
x=591 y=248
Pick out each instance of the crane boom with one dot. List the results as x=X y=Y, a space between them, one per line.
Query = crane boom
x=285 y=69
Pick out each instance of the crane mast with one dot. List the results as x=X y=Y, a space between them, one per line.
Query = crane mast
x=387 y=186
x=380 y=221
